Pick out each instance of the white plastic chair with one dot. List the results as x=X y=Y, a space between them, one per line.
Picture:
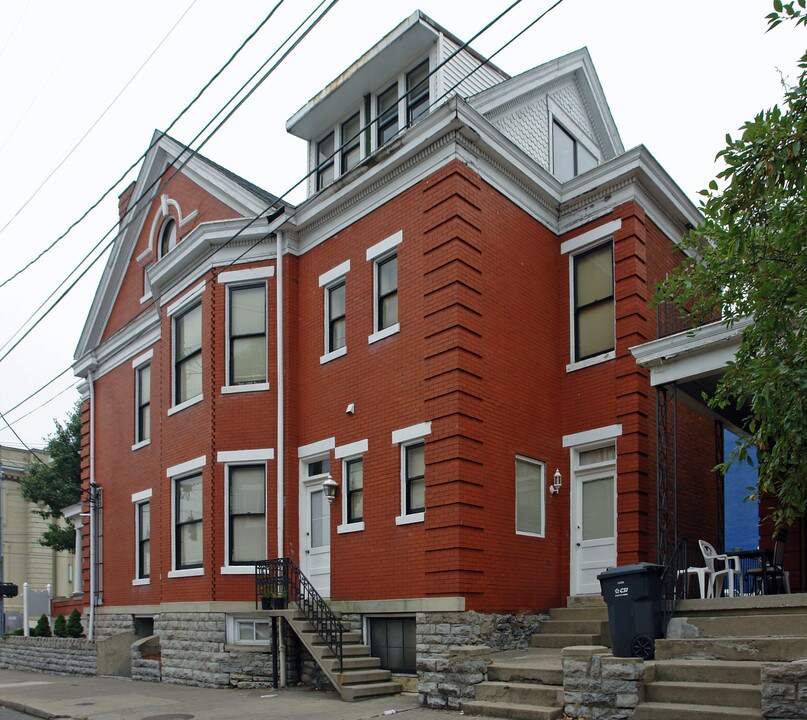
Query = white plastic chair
x=731 y=568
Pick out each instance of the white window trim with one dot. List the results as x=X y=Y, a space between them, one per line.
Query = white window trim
x=326 y=281
x=243 y=457
x=143 y=359
x=187 y=467
x=327 y=357
x=383 y=247
x=186 y=300
x=321 y=447
x=231 y=277
x=346 y=453
x=244 y=277
x=141 y=444
x=190 y=572
x=582 y=243
x=139 y=498
x=232 y=630
x=592 y=437
x=137 y=365
x=542 y=466
x=385 y=333
x=183 y=405
x=377 y=254
x=337 y=273
x=403 y=438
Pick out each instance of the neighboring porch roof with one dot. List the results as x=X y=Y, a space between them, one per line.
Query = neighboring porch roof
x=695 y=360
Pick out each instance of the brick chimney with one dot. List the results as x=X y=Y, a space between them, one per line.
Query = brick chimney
x=124 y=198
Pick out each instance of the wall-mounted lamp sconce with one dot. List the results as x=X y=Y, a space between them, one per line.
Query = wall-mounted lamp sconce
x=557 y=481
x=330 y=487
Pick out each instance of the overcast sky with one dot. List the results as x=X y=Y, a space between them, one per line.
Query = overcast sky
x=677 y=75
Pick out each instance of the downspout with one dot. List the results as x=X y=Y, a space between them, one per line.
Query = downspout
x=280 y=427
x=91 y=629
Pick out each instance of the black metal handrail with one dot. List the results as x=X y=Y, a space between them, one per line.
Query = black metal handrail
x=282 y=577
x=674 y=582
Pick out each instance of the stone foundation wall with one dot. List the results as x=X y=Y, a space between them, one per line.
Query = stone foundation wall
x=447 y=668
x=784 y=690
x=448 y=679
x=192 y=648
x=598 y=685
x=146 y=661
x=107 y=626
x=74 y=656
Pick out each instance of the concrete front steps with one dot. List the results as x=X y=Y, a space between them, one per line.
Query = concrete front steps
x=361 y=675
x=528 y=684
x=701 y=690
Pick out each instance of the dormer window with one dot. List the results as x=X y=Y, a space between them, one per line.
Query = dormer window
x=417 y=92
x=168 y=236
x=325 y=161
x=387 y=113
x=569 y=156
x=351 y=143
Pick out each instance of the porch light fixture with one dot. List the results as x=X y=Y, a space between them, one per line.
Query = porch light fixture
x=330 y=487
x=557 y=481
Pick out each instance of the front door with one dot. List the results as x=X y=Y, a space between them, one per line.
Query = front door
x=593 y=517
x=315 y=527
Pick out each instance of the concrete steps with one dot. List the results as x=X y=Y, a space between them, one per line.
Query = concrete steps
x=515 y=711
x=361 y=675
x=754 y=649
x=676 y=711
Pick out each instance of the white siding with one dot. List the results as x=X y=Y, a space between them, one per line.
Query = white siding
x=459 y=66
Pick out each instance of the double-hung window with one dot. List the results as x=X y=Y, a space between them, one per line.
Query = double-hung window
x=417 y=92
x=569 y=156
x=168 y=237
x=385 y=286
x=325 y=161
x=188 y=522
x=142 y=399
x=188 y=355
x=334 y=284
x=593 y=302
x=246 y=532
x=529 y=497
x=247 y=325
x=142 y=508
x=352 y=485
x=387 y=114
x=413 y=471
x=351 y=143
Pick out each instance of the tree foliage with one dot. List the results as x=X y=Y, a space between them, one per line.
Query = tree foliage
x=54 y=485
x=73 y=627
x=751 y=262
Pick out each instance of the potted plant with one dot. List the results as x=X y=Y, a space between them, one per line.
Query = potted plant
x=275 y=600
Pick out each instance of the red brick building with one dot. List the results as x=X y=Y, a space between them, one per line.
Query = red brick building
x=442 y=327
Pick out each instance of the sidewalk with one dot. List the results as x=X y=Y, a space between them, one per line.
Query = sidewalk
x=103 y=698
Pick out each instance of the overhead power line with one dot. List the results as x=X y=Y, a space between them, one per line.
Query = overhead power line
x=154 y=142
x=98 y=119
x=189 y=153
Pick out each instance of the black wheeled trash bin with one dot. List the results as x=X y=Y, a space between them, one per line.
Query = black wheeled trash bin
x=633 y=596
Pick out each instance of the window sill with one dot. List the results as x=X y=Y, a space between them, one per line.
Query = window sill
x=410 y=519
x=327 y=357
x=588 y=362
x=524 y=533
x=145 y=299
x=142 y=581
x=254 y=387
x=141 y=444
x=350 y=527
x=249 y=647
x=238 y=570
x=186 y=404
x=190 y=572
x=385 y=333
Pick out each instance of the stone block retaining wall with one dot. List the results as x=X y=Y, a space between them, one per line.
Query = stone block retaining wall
x=598 y=685
x=784 y=690
x=448 y=679
x=57 y=655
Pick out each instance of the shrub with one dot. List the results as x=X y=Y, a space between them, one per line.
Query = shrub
x=43 y=626
x=74 y=628
x=60 y=626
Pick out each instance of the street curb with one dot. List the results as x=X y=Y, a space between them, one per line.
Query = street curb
x=28 y=710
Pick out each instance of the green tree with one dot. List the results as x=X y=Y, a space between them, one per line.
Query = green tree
x=74 y=628
x=54 y=485
x=60 y=626
x=42 y=627
x=750 y=261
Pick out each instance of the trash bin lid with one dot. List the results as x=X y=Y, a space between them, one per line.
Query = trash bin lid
x=635 y=569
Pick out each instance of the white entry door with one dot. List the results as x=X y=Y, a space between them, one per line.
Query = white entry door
x=315 y=529
x=593 y=517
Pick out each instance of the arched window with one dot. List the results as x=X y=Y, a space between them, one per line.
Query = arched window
x=168 y=236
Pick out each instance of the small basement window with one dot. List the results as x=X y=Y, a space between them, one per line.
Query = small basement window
x=393 y=639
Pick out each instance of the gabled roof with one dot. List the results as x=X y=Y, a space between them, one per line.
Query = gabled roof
x=246 y=200
x=576 y=64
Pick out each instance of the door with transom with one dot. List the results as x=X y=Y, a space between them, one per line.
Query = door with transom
x=315 y=526
x=593 y=546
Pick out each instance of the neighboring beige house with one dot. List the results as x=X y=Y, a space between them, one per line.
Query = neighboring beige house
x=22 y=558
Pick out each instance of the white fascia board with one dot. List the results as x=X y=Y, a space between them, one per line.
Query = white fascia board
x=690 y=354
x=129 y=342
